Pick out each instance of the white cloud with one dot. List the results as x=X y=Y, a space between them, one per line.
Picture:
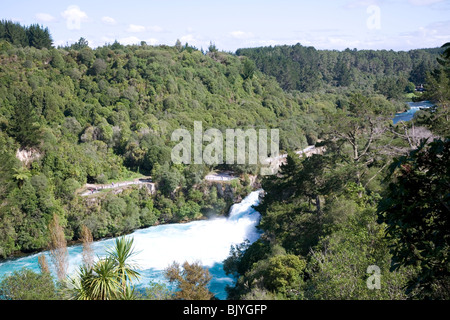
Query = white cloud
x=155 y=29
x=19 y=20
x=136 y=40
x=361 y=3
x=365 y=3
x=343 y=42
x=109 y=20
x=45 y=17
x=187 y=38
x=108 y=39
x=265 y=43
x=196 y=40
x=135 y=28
x=74 y=16
x=151 y=41
x=432 y=35
x=423 y=2
x=241 y=35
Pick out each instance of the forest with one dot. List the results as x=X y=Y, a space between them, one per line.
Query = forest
x=309 y=70
x=377 y=199
x=84 y=115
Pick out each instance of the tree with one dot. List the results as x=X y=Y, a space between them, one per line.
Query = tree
x=249 y=69
x=8 y=165
x=284 y=274
x=88 y=254
x=99 y=66
x=191 y=281
x=359 y=127
x=100 y=282
x=14 y=33
x=108 y=278
x=158 y=291
x=57 y=60
x=25 y=122
x=25 y=284
x=338 y=264
x=20 y=175
x=80 y=44
x=178 y=45
x=342 y=74
x=58 y=247
x=168 y=178
x=392 y=87
x=43 y=265
x=39 y=37
x=120 y=255
x=438 y=90
x=416 y=211
x=418 y=73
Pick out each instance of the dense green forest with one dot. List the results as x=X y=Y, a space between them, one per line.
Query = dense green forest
x=307 y=69
x=84 y=115
x=78 y=115
x=33 y=35
x=378 y=196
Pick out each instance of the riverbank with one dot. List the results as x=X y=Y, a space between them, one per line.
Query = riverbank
x=207 y=240
x=217 y=199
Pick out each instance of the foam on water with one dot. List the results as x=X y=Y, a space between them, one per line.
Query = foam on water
x=414 y=107
x=207 y=241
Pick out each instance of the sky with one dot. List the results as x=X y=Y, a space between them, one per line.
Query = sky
x=323 y=24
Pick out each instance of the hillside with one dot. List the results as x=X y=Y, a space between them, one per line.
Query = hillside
x=308 y=69
x=85 y=144
x=77 y=115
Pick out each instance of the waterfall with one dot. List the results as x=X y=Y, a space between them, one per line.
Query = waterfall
x=207 y=241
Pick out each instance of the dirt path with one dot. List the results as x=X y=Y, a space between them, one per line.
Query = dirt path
x=96 y=188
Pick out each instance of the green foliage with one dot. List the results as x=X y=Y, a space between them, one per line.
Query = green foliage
x=39 y=37
x=338 y=265
x=249 y=69
x=392 y=87
x=158 y=291
x=323 y=209
x=33 y=35
x=284 y=274
x=109 y=278
x=95 y=115
x=415 y=210
x=25 y=123
x=25 y=284
x=168 y=179
x=99 y=66
x=191 y=280
x=306 y=69
x=438 y=91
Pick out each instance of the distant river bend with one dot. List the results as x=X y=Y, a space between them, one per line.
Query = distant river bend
x=414 y=107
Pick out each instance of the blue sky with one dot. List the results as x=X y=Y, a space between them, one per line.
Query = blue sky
x=337 y=24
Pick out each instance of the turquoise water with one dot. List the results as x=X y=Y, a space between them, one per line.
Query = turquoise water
x=414 y=107
x=207 y=241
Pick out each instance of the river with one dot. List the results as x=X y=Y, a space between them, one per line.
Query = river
x=207 y=241
x=414 y=107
